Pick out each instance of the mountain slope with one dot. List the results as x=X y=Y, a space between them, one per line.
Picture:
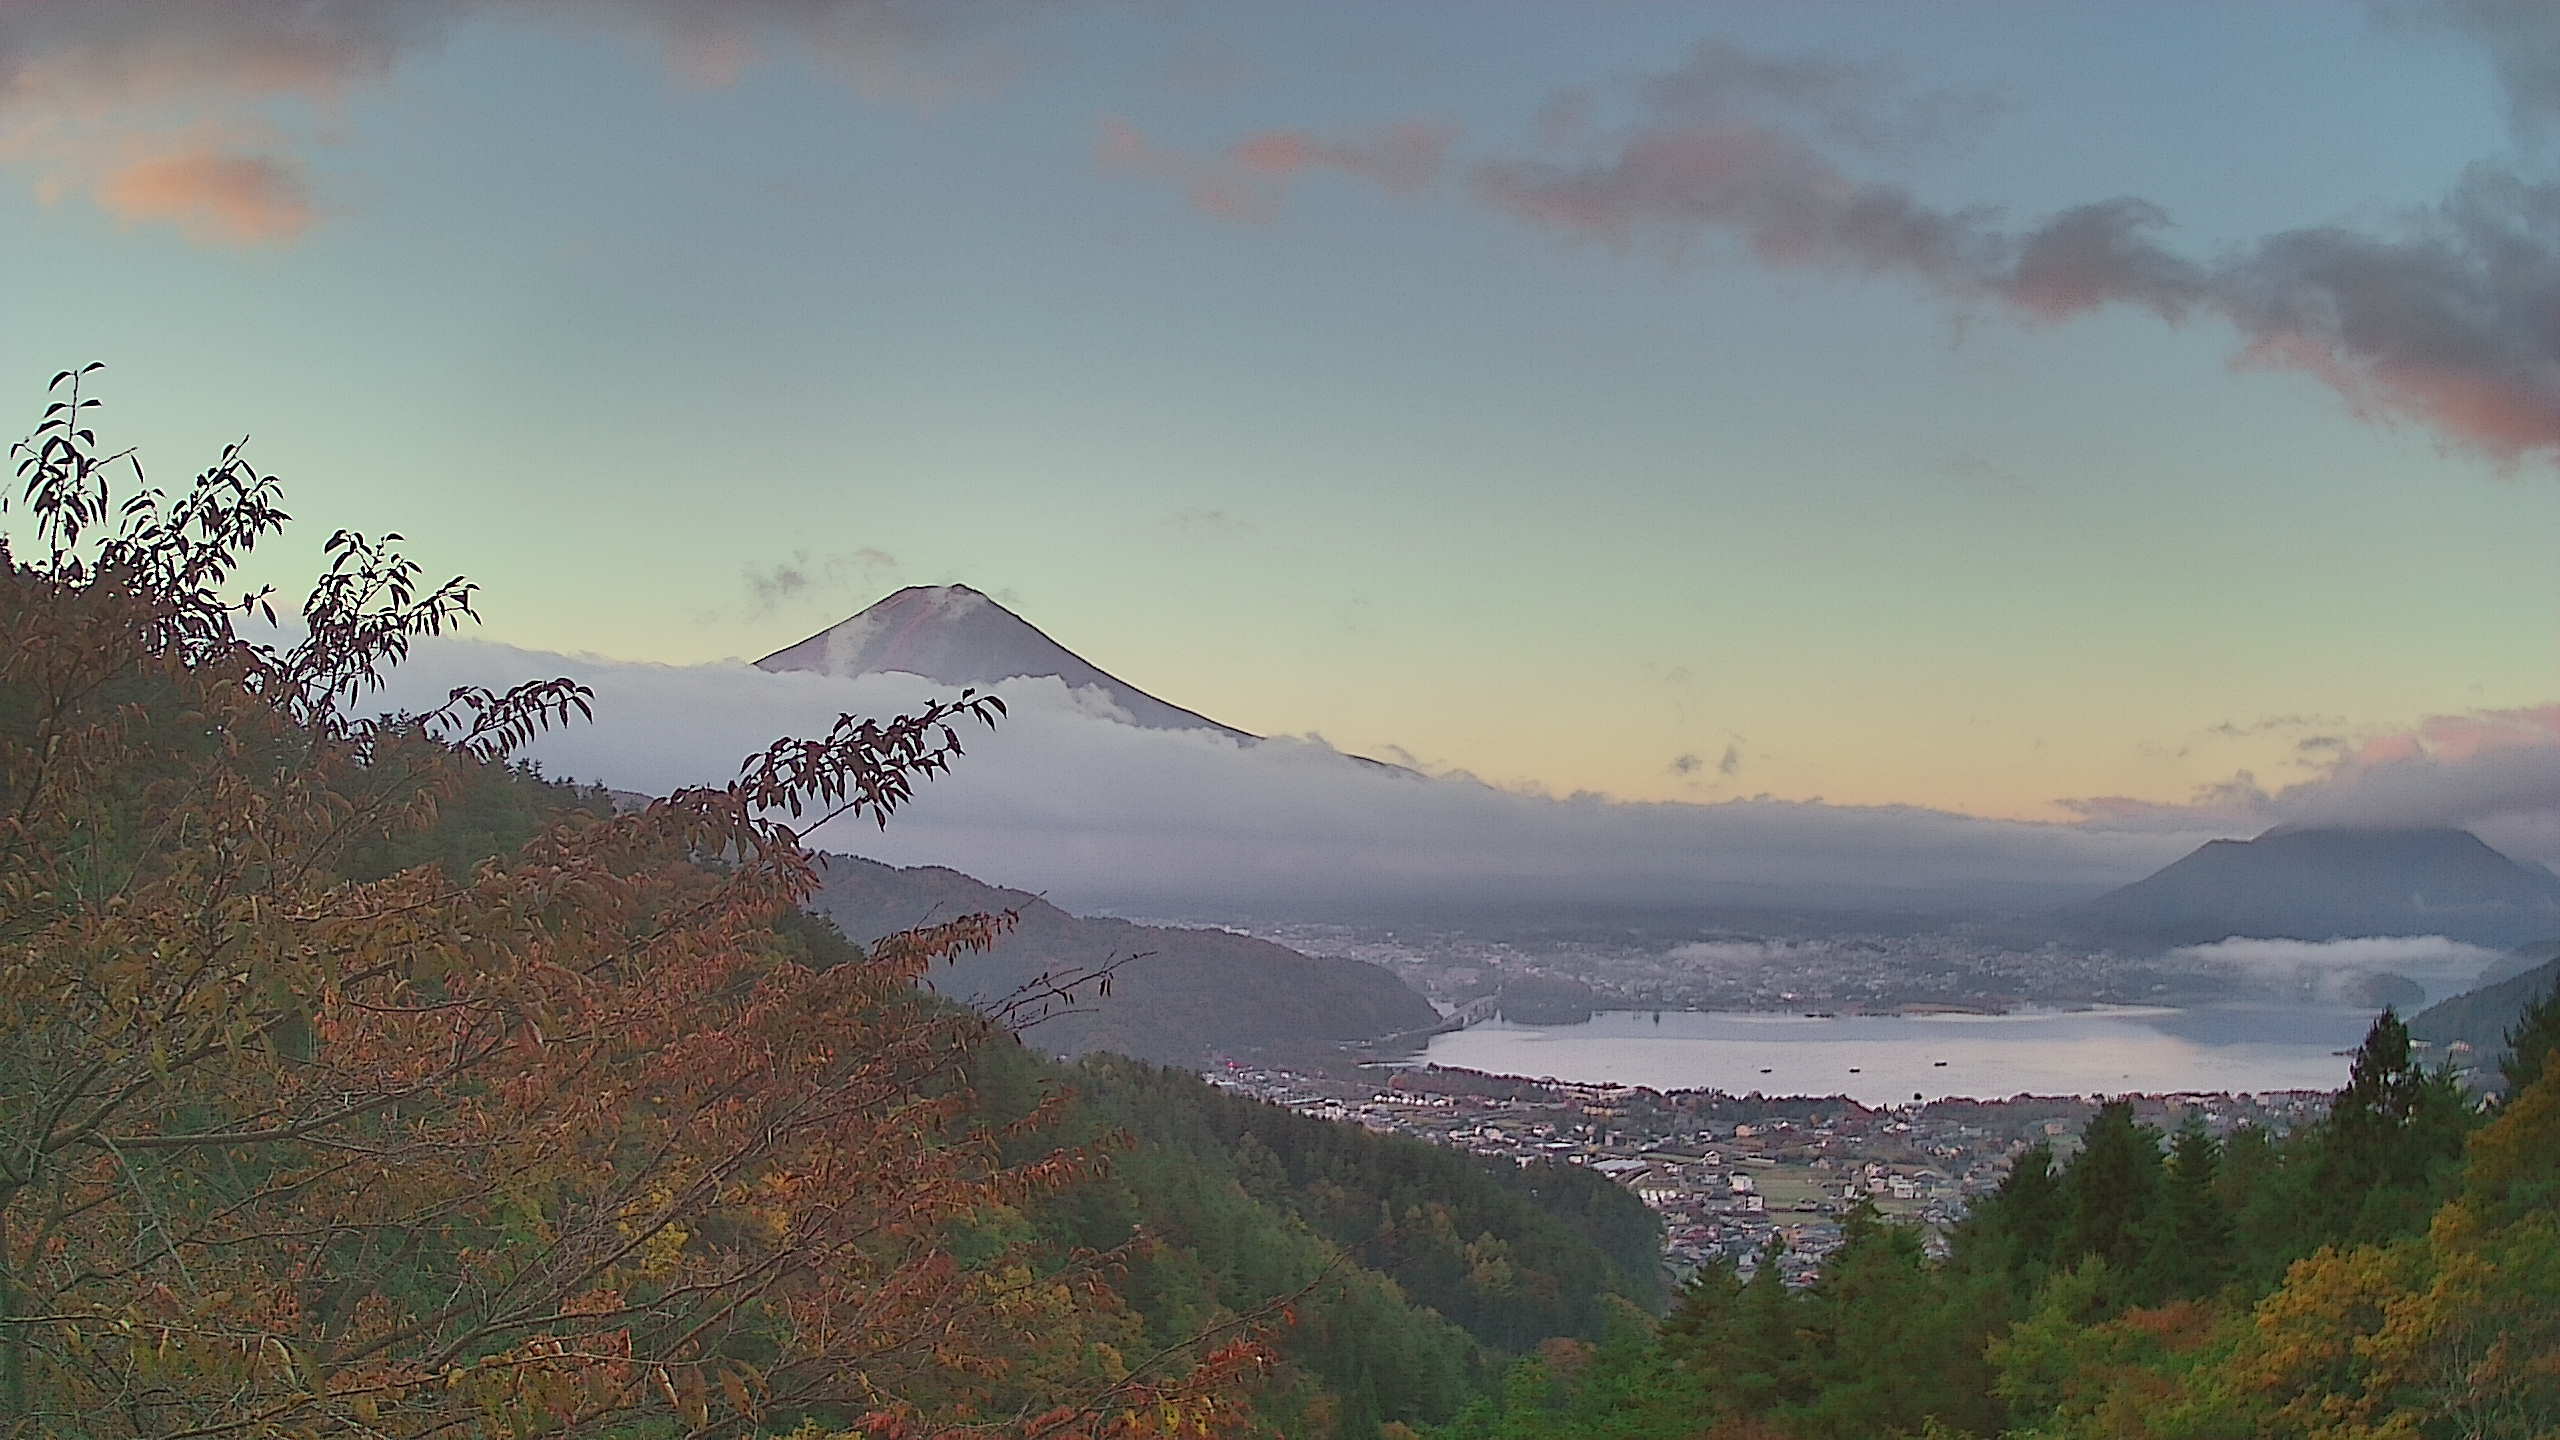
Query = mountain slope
x=2481 y=1018
x=2316 y=884
x=960 y=636
x=1238 y=1203
x=1193 y=993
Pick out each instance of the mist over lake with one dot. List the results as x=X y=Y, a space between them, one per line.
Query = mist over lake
x=1881 y=1059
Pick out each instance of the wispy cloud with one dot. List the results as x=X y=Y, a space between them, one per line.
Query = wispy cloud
x=1861 y=104
x=2270 y=725
x=1731 y=143
x=1196 y=523
x=2493 y=771
x=82 y=81
x=844 y=577
x=212 y=195
x=1250 y=179
x=2438 y=319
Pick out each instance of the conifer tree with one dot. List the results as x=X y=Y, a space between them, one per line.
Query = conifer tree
x=2110 y=1187
x=2530 y=1044
x=1767 y=1363
x=2018 y=1228
x=2189 y=1248
x=2387 y=1150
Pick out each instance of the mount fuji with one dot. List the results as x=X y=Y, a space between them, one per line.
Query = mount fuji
x=961 y=636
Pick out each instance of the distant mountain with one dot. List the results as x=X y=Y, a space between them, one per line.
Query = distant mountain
x=2325 y=884
x=2481 y=1018
x=1194 y=993
x=959 y=636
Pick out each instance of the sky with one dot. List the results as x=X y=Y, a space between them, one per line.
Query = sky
x=2136 y=420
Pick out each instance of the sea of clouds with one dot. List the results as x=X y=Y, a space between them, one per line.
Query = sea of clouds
x=1063 y=798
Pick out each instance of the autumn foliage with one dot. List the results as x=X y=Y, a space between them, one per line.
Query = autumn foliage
x=309 y=1126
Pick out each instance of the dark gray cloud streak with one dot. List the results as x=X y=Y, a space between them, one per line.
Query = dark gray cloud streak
x=2522 y=41
x=2451 y=319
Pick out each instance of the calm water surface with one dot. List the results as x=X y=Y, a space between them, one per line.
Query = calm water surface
x=1877 y=1059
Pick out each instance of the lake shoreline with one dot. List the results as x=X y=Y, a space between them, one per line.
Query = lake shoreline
x=1931 y=1054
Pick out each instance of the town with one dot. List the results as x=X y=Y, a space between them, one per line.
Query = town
x=1729 y=1174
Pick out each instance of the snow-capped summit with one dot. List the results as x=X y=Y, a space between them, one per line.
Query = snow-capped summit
x=961 y=636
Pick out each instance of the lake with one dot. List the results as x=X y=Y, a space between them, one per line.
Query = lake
x=1885 y=1059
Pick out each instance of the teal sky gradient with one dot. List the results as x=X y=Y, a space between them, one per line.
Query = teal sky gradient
x=1391 y=467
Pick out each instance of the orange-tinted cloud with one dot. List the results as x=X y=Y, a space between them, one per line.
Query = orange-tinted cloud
x=1403 y=156
x=212 y=195
x=84 y=81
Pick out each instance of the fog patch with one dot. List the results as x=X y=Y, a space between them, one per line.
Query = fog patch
x=1744 y=955
x=2346 y=971
x=1063 y=799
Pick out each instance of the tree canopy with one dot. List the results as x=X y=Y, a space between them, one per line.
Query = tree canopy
x=312 y=1122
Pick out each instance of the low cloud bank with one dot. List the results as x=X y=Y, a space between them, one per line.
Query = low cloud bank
x=2493 y=772
x=1062 y=799
x=2335 y=969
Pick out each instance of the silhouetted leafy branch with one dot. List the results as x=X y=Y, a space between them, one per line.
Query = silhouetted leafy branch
x=565 y=1139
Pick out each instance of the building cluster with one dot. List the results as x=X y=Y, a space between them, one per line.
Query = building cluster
x=1731 y=1174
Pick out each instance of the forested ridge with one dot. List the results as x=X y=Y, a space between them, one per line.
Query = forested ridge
x=1415 y=1273
x=1179 y=995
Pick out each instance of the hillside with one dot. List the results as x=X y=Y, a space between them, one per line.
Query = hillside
x=1425 y=1269
x=2483 y=1017
x=2314 y=884
x=1188 y=995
